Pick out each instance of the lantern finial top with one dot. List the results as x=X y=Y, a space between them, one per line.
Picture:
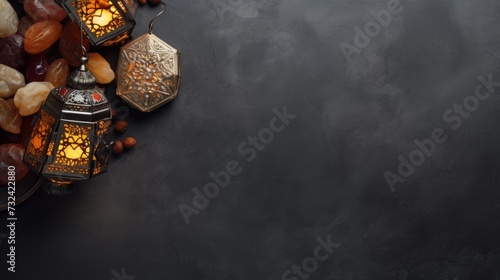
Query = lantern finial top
x=81 y=78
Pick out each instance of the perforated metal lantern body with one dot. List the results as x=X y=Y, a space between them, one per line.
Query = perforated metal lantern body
x=105 y=22
x=148 y=73
x=70 y=139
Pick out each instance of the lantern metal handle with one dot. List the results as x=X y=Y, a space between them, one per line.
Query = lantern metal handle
x=157 y=15
x=83 y=49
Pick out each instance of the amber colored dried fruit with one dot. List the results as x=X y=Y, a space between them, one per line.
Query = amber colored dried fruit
x=12 y=155
x=10 y=120
x=121 y=126
x=58 y=72
x=70 y=43
x=31 y=97
x=118 y=147
x=129 y=142
x=41 y=35
x=100 y=68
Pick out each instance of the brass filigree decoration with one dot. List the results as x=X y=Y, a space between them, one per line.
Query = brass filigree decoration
x=148 y=73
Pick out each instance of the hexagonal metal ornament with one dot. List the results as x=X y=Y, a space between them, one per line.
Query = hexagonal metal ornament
x=148 y=73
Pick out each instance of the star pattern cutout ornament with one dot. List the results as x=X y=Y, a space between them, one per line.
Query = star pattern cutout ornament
x=148 y=73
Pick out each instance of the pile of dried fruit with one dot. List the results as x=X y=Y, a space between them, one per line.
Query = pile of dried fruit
x=37 y=50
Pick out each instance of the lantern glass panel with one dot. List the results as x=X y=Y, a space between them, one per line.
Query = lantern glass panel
x=100 y=21
x=37 y=145
x=105 y=22
x=74 y=146
x=40 y=135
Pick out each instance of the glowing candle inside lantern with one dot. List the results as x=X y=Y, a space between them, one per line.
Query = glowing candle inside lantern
x=102 y=17
x=105 y=22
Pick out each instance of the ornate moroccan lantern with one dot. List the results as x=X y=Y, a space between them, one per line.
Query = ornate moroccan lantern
x=70 y=140
x=105 y=22
x=148 y=72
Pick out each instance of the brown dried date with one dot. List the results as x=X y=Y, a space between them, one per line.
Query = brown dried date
x=12 y=155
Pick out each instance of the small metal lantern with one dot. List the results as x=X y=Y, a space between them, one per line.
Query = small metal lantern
x=70 y=140
x=148 y=73
x=105 y=22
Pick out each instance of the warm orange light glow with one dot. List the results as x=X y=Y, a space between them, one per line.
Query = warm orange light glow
x=37 y=141
x=39 y=135
x=73 y=152
x=102 y=17
x=74 y=146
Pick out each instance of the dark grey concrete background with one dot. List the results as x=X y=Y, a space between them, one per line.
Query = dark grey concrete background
x=321 y=176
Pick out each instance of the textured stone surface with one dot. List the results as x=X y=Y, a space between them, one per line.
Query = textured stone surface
x=36 y=68
x=10 y=119
x=320 y=175
x=100 y=68
x=8 y=19
x=12 y=155
x=58 y=72
x=10 y=81
x=12 y=52
x=41 y=10
x=30 y=97
x=69 y=43
x=41 y=35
